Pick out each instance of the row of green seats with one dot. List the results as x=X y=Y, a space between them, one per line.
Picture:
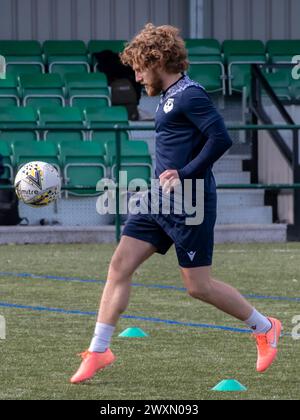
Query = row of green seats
x=75 y=89
x=213 y=64
x=91 y=89
x=51 y=114
x=81 y=164
x=20 y=124
x=277 y=50
x=286 y=87
x=58 y=56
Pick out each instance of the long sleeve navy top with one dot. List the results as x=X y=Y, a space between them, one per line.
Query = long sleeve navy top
x=191 y=134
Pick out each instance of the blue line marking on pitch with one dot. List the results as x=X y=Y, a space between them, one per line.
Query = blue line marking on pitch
x=150 y=286
x=132 y=317
x=46 y=277
x=45 y=309
x=272 y=298
x=188 y=324
x=138 y=318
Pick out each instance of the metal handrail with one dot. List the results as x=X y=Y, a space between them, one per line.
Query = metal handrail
x=8 y=126
x=119 y=128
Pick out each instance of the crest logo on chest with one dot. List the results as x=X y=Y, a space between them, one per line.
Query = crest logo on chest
x=169 y=105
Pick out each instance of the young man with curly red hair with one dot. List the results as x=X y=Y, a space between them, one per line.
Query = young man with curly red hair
x=191 y=137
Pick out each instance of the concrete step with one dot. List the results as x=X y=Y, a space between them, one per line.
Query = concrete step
x=148 y=106
x=241 y=198
x=272 y=233
x=102 y=234
x=230 y=163
x=147 y=136
x=241 y=149
x=233 y=207
x=74 y=211
x=250 y=215
x=232 y=178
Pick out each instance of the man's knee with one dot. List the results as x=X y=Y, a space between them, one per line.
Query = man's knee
x=201 y=293
x=199 y=288
x=129 y=255
x=122 y=265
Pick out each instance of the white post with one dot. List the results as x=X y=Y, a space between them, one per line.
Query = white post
x=196 y=18
x=2 y=67
x=2 y=328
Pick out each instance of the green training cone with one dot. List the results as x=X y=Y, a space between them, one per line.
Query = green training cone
x=133 y=333
x=229 y=385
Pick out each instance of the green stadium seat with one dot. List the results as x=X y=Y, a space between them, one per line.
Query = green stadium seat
x=9 y=95
x=114 y=114
x=12 y=117
x=106 y=44
x=35 y=150
x=95 y=46
x=64 y=48
x=10 y=137
x=295 y=88
x=5 y=152
x=199 y=49
x=22 y=57
x=87 y=90
x=239 y=55
x=239 y=78
x=11 y=48
x=135 y=159
x=206 y=64
x=84 y=166
x=243 y=48
x=209 y=76
x=69 y=119
x=66 y=57
x=99 y=117
x=103 y=137
x=282 y=51
x=42 y=90
x=279 y=80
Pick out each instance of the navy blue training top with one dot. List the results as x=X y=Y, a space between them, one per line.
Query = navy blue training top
x=191 y=135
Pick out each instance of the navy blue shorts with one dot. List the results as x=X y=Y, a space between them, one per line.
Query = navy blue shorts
x=194 y=244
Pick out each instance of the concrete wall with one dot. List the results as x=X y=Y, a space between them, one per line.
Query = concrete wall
x=252 y=19
x=274 y=169
x=121 y=19
x=87 y=19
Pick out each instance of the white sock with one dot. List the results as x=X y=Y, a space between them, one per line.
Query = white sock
x=102 y=338
x=258 y=323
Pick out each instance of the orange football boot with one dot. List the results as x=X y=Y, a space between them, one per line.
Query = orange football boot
x=267 y=346
x=92 y=362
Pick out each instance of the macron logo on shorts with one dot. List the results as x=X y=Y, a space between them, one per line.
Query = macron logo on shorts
x=191 y=255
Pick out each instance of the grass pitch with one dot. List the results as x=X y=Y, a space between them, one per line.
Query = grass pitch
x=50 y=317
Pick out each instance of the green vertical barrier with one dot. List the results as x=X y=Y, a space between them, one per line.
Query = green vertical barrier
x=118 y=168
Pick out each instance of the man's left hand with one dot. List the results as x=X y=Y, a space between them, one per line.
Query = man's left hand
x=169 y=180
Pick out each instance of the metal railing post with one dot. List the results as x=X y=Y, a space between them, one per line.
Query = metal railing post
x=296 y=175
x=254 y=121
x=118 y=168
x=293 y=231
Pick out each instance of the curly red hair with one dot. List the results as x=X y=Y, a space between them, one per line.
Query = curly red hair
x=157 y=46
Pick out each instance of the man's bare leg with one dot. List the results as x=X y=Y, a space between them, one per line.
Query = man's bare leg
x=129 y=255
x=201 y=285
